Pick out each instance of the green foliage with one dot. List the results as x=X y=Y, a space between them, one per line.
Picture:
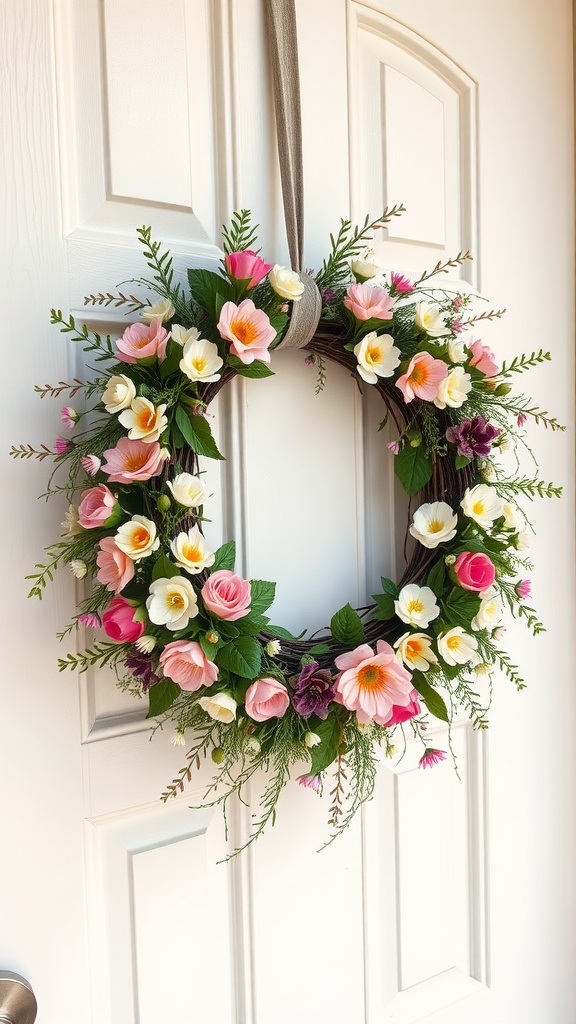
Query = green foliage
x=257 y=369
x=163 y=568
x=346 y=626
x=436 y=577
x=210 y=290
x=524 y=362
x=348 y=243
x=241 y=234
x=91 y=341
x=241 y=656
x=162 y=696
x=98 y=654
x=197 y=433
x=413 y=468
x=331 y=735
x=224 y=557
x=262 y=595
x=432 y=699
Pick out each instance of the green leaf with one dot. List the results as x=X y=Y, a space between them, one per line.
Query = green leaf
x=242 y=656
x=384 y=607
x=255 y=369
x=205 y=286
x=346 y=626
x=330 y=733
x=462 y=605
x=432 y=699
x=462 y=460
x=176 y=436
x=210 y=650
x=172 y=361
x=132 y=501
x=278 y=321
x=283 y=634
x=162 y=696
x=197 y=433
x=224 y=557
x=436 y=577
x=389 y=587
x=319 y=649
x=413 y=468
x=251 y=624
x=164 y=569
x=262 y=595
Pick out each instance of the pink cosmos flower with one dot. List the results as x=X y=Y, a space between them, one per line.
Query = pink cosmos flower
x=402 y=713
x=524 y=589
x=266 y=698
x=483 y=359
x=184 y=661
x=248 y=330
x=96 y=506
x=133 y=460
x=372 y=684
x=311 y=782
x=247 y=266
x=91 y=464
x=61 y=445
x=89 y=619
x=118 y=621
x=474 y=570
x=69 y=416
x=226 y=595
x=367 y=302
x=115 y=569
x=400 y=283
x=430 y=757
x=142 y=341
x=422 y=378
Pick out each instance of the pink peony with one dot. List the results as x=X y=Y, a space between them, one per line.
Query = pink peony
x=226 y=595
x=367 y=302
x=422 y=378
x=373 y=684
x=524 y=589
x=96 y=506
x=483 y=359
x=247 y=266
x=266 y=698
x=143 y=341
x=184 y=661
x=402 y=713
x=474 y=570
x=248 y=330
x=115 y=569
x=133 y=460
x=430 y=757
x=118 y=621
x=401 y=284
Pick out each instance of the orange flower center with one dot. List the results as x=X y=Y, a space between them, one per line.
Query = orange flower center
x=140 y=537
x=245 y=331
x=191 y=552
x=146 y=418
x=374 y=354
x=135 y=461
x=412 y=649
x=372 y=677
x=419 y=375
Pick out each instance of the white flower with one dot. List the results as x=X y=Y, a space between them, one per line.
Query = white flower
x=188 y=490
x=490 y=612
x=180 y=335
x=272 y=648
x=482 y=504
x=523 y=541
x=453 y=390
x=146 y=643
x=457 y=351
x=178 y=738
x=144 y=421
x=430 y=319
x=78 y=568
x=433 y=524
x=190 y=551
x=506 y=444
x=377 y=356
x=483 y=671
x=488 y=471
x=286 y=283
x=312 y=739
x=457 y=647
x=416 y=605
x=172 y=602
x=498 y=633
x=221 y=707
x=162 y=310
x=200 y=360
x=252 y=746
x=119 y=393
x=364 y=269
x=71 y=524
x=137 y=538
x=510 y=513
x=415 y=651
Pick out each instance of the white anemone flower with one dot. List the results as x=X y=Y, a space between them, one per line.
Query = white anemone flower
x=191 y=552
x=414 y=650
x=416 y=605
x=137 y=538
x=490 y=612
x=172 y=602
x=377 y=356
x=482 y=504
x=457 y=647
x=453 y=390
x=220 y=706
x=433 y=524
x=180 y=335
x=144 y=421
x=118 y=393
x=188 y=490
x=430 y=319
x=162 y=310
x=200 y=360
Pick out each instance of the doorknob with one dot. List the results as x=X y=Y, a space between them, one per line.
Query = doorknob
x=17 y=1000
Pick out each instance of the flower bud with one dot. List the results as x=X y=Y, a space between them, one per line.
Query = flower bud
x=218 y=755
x=212 y=637
x=503 y=389
x=163 y=503
x=311 y=739
x=252 y=746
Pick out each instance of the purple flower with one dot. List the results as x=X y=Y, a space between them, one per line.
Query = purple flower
x=311 y=782
x=140 y=665
x=394 y=447
x=474 y=437
x=521 y=419
x=313 y=691
x=430 y=757
x=328 y=294
x=458 y=303
x=90 y=619
x=457 y=325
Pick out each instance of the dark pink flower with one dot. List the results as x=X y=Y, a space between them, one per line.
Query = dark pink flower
x=474 y=570
x=119 y=623
x=522 y=418
x=403 y=714
x=69 y=416
x=247 y=266
x=61 y=445
x=456 y=325
x=400 y=284
x=89 y=619
x=91 y=464
x=524 y=589
x=394 y=447
x=430 y=757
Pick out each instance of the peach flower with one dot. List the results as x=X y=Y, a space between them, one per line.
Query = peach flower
x=266 y=698
x=115 y=569
x=248 y=330
x=368 y=302
x=133 y=460
x=371 y=684
x=143 y=341
x=184 y=661
x=422 y=378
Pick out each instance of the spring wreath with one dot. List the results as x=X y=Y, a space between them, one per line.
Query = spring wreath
x=182 y=626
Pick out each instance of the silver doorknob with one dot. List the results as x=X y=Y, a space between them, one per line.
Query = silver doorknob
x=17 y=1000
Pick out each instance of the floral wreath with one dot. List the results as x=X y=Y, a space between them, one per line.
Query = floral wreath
x=183 y=627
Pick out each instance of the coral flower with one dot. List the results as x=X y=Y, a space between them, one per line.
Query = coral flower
x=483 y=359
x=371 y=684
x=133 y=460
x=422 y=378
x=143 y=341
x=248 y=330
x=115 y=568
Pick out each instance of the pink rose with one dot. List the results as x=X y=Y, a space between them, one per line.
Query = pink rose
x=118 y=621
x=474 y=570
x=133 y=460
x=483 y=359
x=402 y=714
x=266 y=698
x=184 y=661
x=247 y=266
x=143 y=341
x=226 y=595
x=367 y=301
x=115 y=569
x=96 y=506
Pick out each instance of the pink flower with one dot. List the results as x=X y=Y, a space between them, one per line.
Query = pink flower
x=431 y=757
x=118 y=621
x=483 y=359
x=61 y=445
x=247 y=266
x=423 y=377
x=524 y=589
x=91 y=464
x=367 y=302
x=133 y=460
x=400 y=283
x=394 y=447
x=248 y=330
x=115 y=569
x=184 y=661
x=89 y=619
x=69 y=416
x=143 y=341
x=474 y=570
x=96 y=506
x=458 y=303
x=402 y=714
x=457 y=325
x=226 y=595
x=266 y=698
x=372 y=684
x=311 y=782
x=522 y=418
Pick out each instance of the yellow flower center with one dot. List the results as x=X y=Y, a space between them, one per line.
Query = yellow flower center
x=415 y=605
x=435 y=526
x=478 y=508
x=140 y=537
x=453 y=642
x=177 y=600
x=191 y=552
x=374 y=354
x=199 y=363
x=146 y=418
x=372 y=677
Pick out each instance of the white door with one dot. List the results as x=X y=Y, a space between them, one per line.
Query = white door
x=450 y=900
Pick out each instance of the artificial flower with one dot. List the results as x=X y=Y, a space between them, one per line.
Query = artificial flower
x=162 y=310
x=146 y=644
x=133 y=460
x=78 y=568
x=524 y=589
x=286 y=283
x=434 y=523
x=71 y=525
x=266 y=698
x=226 y=595
x=454 y=389
x=312 y=739
x=474 y=570
x=69 y=416
x=98 y=507
x=144 y=421
x=200 y=360
x=371 y=684
x=401 y=284
x=430 y=319
x=430 y=757
x=272 y=648
x=90 y=464
x=377 y=357
x=137 y=538
x=115 y=568
x=248 y=330
x=143 y=341
x=368 y=302
x=62 y=445
x=119 y=621
x=313 y=691
x=415 y=651
x=416 y=605
x=483 y=505
x=184 y=661
x=473 y=437
x=119 y=393
x=422 y=378
x=181 y=334
x=89 y=619
x=141 y=666
x=251 y=746
x=247 y=266
x=483 y=359
x=191 y=552
x=403 y=712
x=490 y=612
x=456 y=647
x=172 y=602
x=310 y=782
x=457 y=352
x=220 y=706
x=188 y=490
x=364 y=269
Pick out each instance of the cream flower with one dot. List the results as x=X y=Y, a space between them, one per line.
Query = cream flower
x=490 y=612
x=482 y=504
x=180 y=335
x=312 y=739
x=433 y=524
x=513 y=517
x=453 y=390
x=143 y=420
x=221 y=707
x=200 y=360
x=137 y=538
x=457 y=352
x=172 y=602
x=364 y=269
x=119 y=393
x=430 y=319
x=78 y=568
x=377 y=357
x=286 y=283
x=416 y=605
x=523 y=541
x=188 y=490
x=71 y=524
x=415 y=652
x=190 y=551
x=162 y=310
x=457 y=647
x=252 y=746
x=146 y=643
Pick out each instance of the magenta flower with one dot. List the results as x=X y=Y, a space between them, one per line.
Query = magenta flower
x=69 y=416
x=89 y=619
x=247 y=266
x=313 y=691
x=91 y=464
x=61 y=445
x=368 y=302
x=311 y=782
x=456 y=325
x=430 y=757
x=401 y=284
x=458 y=303
x=119 y=622
x=524 y=589
x=474 y=437
x=522 y=418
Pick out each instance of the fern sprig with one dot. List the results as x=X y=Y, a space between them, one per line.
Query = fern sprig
x=91 y=341
x=524 y=362
x=109 y=299
x=240 y=234
x=98 y=654
x=442 y=267
x=348 y=243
